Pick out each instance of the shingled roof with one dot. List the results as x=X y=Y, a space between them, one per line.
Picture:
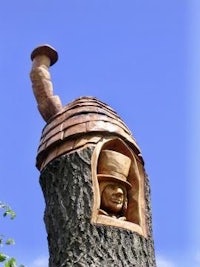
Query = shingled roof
x=84 y=118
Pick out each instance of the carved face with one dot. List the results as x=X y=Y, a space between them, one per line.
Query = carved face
x=113 y=198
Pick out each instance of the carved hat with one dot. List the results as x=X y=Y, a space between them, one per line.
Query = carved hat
x=113 y=166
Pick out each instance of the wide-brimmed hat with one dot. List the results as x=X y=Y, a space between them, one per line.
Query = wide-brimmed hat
x=113 y=166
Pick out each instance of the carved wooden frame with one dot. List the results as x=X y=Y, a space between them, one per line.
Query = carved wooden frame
x=135 y=215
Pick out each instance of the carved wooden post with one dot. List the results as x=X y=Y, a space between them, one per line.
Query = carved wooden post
x=98 y=210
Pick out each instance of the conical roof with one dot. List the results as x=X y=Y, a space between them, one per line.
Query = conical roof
x=84 y=118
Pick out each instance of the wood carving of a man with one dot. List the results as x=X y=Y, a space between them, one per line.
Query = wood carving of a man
x=113 y=168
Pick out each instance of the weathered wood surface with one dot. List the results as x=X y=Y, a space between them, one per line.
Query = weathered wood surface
x=73 y=240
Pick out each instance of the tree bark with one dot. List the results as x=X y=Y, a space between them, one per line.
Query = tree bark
x=72 y=239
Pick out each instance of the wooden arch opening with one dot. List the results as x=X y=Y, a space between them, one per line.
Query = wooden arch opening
x=134 y=217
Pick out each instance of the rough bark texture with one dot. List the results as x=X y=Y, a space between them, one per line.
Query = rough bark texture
x=73 y=241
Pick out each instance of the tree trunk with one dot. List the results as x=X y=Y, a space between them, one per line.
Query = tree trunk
x=73 y=240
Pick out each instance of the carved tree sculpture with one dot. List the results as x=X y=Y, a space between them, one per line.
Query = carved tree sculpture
x=93 y=179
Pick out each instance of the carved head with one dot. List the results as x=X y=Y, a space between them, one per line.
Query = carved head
x=113 y=169
x=113 y=198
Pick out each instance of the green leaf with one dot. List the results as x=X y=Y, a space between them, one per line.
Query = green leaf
x=7 y=210
x=10 y=241
x=3 y=257
x=10 y=213
x=11 y=263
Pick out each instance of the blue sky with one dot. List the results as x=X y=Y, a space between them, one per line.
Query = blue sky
x=140 y=57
